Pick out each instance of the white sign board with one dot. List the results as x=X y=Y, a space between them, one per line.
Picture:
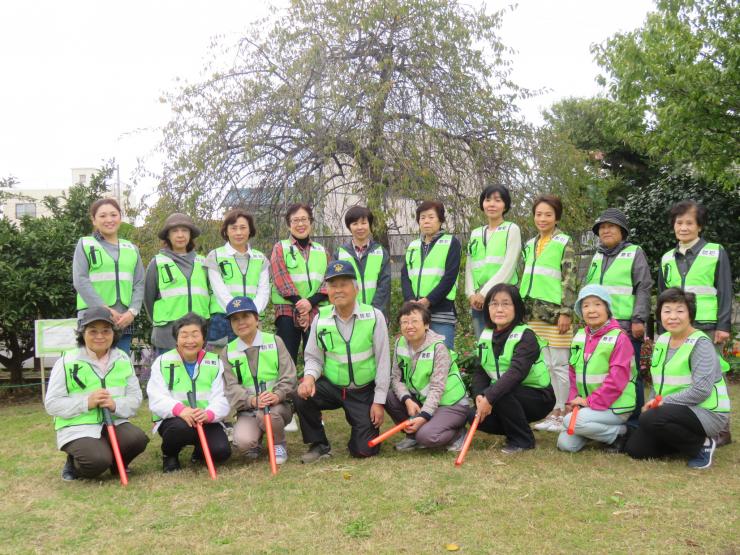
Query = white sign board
x=53 y=337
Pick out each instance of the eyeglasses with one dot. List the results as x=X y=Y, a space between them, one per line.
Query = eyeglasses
x=505 y=306
x=294 y=221
x=101 y=333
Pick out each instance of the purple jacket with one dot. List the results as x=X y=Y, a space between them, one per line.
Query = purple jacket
x=620 y=367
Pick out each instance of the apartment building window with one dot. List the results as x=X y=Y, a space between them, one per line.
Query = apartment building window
x=82 y=179
x=25 y=209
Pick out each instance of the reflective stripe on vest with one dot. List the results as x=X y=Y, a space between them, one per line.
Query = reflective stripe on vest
x=238 y=284
x=486 y=255
x=617 y=280
x=368 y=279
x=345 y=362
x=538 y=375
x=178 y=294
x=179 y=383
x=674 y=376
x=542 y=277
x=113 y=280
x=417 y=376
x=426 y=274
x=306 y=275
x=590 y=375
x=698 y=280
x=81 y=380
x=267 y=364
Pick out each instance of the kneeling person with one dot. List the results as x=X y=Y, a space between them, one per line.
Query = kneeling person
x=347 y=366
x=253 y=358
x=183 y=372
x=426 y=386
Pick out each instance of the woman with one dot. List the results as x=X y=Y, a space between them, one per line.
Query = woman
x=297 y=266
x=493 y=252
x=107 y=271
x=176 y=281
x=235 y=269
x=602 y=376
x=429 y=276
x=252 y=358
x=426 y=386
x=183 y=372
x=704 y=269
x=693 y=406
x=548 y=288
x=512 y=385
x=84 y=381
x=370 y=259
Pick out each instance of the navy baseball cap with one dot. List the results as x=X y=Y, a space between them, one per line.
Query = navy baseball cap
x=339 y=268
x=240 y=304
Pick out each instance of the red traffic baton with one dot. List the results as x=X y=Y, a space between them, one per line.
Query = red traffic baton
x=113 y=439
x=199 y=428
x=385 y=435
x=573 y=416
x=468 y=440
x=268 y=433
x=655 y=402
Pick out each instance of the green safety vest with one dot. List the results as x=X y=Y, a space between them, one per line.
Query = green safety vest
x=369 y=279
x=698 y=280
x=179 y=383
x=306 y=276
x=617 y=280
x=542 y=275
x=178 y=294
x=425 y=274
x=486 y=255
x=418 y=376
x=111 y=279
x=82 y=380
x=674 y=376
x=267 y=364
x=238 y=284
x=345 y=362
x=592 y=373
x=538 y=375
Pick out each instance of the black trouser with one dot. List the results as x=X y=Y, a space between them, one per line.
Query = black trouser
x=93 y=456
x=666 y=430
x=292 y=336
x=176 y=434
x=513 y=412
x=356 y=404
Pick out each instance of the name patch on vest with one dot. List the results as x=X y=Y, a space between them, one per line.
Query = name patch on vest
x=514 y=336
x=426 y=356
x=267 y=347
x=714 y=253
x=630 y=254
x=560 y=239
x=609 y=338
x=365 y=315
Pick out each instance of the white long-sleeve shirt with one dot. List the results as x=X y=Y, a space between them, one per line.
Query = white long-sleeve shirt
x=221 y=291
x=508 y=266
x=162 y=402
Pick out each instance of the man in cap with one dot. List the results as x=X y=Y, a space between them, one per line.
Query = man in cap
x=347 y=365
x=256 y=357
x=622 y=268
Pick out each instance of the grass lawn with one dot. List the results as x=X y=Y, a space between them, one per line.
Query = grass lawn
x=542 y=501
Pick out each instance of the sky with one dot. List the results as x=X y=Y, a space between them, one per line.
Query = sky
x=82 y=79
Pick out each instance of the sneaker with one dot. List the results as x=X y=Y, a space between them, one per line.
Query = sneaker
x=254 y=453
x=316 y=452
x=723 y=438
x=704 y=458
x=406 y=444
x=69 y=473
x=545 y=424
x=456 y=444
x=292 y=425
x=281 y=453
x=509 y=449
x=556 y=424
x=619 y=445
x=170 y=464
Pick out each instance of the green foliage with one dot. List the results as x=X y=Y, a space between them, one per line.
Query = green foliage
x=358 y=528
x=677 y=79
x=647 y=211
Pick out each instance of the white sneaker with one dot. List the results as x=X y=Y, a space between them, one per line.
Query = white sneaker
x=545 y=424
x=292 y=425
x=556 y=425
x=281 y=453
x=457 y=444
x=406 y=444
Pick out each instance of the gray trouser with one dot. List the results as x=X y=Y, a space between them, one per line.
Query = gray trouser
x=250 y=426
x=445 y=425
x=93 y=456
x=599 y=425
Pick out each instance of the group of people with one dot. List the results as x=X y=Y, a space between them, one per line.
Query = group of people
x=214 y=360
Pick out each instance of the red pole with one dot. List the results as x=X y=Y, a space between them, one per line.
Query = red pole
x=268 y=432
x=113 y=439
x=385 y=435
x=468 y=440
x=655 y=402
x=573 y=416
x=206 y=450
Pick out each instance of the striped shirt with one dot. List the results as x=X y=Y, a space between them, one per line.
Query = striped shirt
x=549 y=332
